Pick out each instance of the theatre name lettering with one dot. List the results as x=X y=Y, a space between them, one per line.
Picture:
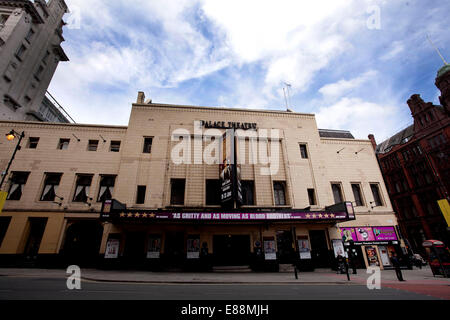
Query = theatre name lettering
x=228 y=125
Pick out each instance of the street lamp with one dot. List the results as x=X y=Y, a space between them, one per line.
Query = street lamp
x=11 y=136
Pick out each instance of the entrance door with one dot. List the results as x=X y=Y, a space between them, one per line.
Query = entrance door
x=174 y=248
x=37 y=228
x=319 y=249
x=231 y=250
x=134 y=253
x=284 y=244
x=384 y=255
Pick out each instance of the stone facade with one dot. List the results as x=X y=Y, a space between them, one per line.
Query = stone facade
x=30 y=50
x=344 y=161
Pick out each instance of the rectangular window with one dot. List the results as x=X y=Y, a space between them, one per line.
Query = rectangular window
x=51 y=184
x=147 y=145
x=279 y=193
x=3 y=19
x=140 y=197
x=63 y=144
x=312 y=197
x=356 y=187
x=337 y=192
x=82 y=188
x=106 y=190
x=33 y=143
x=20 y=52
x=45 y=58
x=212 y=192
x=30 y=35
x=177 y=189
x=92 y=145
x=376 y=194
x=4 y=224
x=38 y=73
x=248 y=192
x=115 y=146
x=303 y=151
x=18 y=181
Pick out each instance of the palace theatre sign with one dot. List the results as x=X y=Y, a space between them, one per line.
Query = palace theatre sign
x=228 y=125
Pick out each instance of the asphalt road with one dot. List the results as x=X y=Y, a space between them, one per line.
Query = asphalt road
x=22 y=288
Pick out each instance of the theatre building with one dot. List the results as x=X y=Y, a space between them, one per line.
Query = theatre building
x=194 y=187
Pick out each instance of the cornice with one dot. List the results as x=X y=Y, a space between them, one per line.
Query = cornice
x=63 y=126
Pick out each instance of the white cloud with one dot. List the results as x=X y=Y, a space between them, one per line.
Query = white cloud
x=396 y=48
x=341 y=87
x=359 y=116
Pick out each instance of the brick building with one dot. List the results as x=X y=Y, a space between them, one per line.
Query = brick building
x=416 y=167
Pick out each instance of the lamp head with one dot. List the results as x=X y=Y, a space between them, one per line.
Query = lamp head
x=10 y=136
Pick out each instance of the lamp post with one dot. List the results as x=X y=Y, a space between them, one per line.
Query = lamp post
x=11 y=136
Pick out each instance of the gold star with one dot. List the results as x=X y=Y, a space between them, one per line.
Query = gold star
x=314 y=216
x=122 y=215
x=326 y=215
x=308 y=215
x=130 y=215
x=320 y=215
x=144 y=215
x=137 y=215
x=332 y=215
x=152 y=215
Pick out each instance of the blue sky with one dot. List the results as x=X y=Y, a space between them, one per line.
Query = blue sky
x=353 y=63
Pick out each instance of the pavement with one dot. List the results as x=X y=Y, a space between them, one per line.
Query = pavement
x=422 y=276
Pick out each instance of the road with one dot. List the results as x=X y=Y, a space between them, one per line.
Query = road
x=32 y=288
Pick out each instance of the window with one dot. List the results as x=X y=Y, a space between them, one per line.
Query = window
x=303 y=151
x=177 y=188
x=33 y=143
x=115 y=146
x=376 y=194
x=107 y=183
x=248 y=193
x=147 y=145
x=140 y=197
x=51 y=184
x=20 y=52
x=92 y=145
x=18 y=181
x=29 y=36
x=356 y=187
x=82 y=188
x=212 y=192
x=45 y=58
x=63 y=144
x=38 y=73
x=312 y=197
x=279 y=193
x=4 y=224
x=337 y=192
x=3 y=19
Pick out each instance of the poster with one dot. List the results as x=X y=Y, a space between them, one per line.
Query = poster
x=226 y=168
x=348 y=234
x=364 y=234
x=270 y=252
x=372 y=257
x=112 y=249
x=338 y=247
x=384 y=234
x=303 y=248
x=193 y=247
x=154 y=247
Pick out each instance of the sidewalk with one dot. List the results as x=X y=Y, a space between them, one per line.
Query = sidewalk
x=320 y=276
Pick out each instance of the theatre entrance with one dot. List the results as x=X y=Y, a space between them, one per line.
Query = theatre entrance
x=231 y=250
x=319 y=249
x=174 y=248
x=286 y=253
x=134 y=253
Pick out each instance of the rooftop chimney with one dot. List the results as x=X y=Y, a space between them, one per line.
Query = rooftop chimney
x=140 y=97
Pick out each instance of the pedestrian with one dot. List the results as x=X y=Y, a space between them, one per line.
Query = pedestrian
x=340 y=260
x=395 y=261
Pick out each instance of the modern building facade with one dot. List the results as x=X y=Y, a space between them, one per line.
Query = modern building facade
x=151 y=193
x=416 y=165
x=30 y=51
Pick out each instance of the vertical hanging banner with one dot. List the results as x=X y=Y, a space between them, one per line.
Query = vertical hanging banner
x=3 y=196
x=229 y=171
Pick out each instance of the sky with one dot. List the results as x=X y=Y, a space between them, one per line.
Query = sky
x=352 y=63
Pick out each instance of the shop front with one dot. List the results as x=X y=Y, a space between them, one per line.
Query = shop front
x=372 y=246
